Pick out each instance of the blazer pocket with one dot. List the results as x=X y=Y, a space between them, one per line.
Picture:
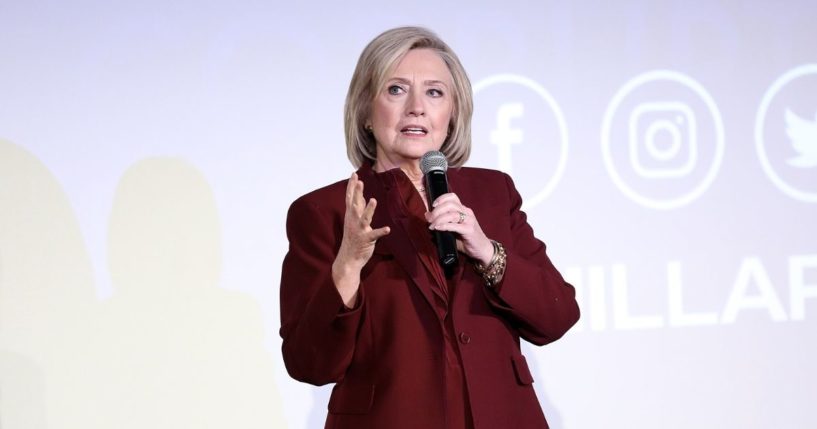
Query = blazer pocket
x=520 y=368
x=351 y=398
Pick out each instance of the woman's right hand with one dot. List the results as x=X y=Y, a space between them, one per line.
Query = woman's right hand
x=358 y=241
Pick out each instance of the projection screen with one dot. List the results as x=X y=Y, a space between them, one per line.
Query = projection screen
x=666 y=153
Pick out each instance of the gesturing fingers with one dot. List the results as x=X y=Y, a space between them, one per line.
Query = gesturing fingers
x=371 y=235
x=358 y=242
x=358 y=201
x=368 y=213
x=354 y=196
x=350 y=189
x=358 y=235
x=379 y=233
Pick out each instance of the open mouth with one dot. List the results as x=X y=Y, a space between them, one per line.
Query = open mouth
x=413 y=130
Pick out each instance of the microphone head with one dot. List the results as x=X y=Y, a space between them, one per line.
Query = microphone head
x=433 y=160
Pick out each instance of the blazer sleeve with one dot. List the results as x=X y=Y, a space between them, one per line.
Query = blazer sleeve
x=532 y=295
x=318 y=331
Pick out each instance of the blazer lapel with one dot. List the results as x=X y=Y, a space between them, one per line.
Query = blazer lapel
x=397 y=241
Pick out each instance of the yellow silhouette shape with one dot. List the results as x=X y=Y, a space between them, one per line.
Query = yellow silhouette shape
x=170 y=349
x=46 y=297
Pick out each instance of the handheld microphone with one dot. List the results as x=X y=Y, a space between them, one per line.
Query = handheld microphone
x=434 y=165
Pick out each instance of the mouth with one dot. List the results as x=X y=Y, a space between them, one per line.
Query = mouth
x=414 y=130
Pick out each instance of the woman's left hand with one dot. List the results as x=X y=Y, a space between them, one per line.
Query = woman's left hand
x=448 y=214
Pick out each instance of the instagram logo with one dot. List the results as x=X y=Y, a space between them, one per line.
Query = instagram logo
x=662 y=139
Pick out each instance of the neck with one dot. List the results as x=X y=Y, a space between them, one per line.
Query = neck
x=412 y=171
x=411 y=168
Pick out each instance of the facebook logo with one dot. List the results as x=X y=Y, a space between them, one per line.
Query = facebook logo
x=505 y=135
x=518 y=128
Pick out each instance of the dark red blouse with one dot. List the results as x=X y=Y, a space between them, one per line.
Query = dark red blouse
x=458 y=414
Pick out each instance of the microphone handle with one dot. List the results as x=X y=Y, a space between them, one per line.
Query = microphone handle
x=436 y=185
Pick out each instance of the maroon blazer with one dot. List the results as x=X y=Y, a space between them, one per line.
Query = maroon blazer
x=386 y=354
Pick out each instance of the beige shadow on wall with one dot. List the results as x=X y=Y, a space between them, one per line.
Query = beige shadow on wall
x=176 y=350
x=170 y=349
x=21 y=392
x=47 y=299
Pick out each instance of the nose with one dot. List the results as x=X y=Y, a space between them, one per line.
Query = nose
x=415 y=104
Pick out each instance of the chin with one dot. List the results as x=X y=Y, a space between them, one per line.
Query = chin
x=419 y=153
x=415 y=149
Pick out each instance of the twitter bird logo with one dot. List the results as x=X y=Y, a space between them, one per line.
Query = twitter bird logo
x=803 y=135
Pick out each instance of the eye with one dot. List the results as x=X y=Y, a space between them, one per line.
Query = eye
x=434 y=92
x=395 y=90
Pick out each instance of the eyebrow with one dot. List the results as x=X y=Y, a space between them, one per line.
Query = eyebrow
x=426 y=82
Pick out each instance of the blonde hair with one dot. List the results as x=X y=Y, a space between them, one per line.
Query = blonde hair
x=379 y=57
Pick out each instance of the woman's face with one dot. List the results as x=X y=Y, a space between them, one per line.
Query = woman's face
x=410 y=114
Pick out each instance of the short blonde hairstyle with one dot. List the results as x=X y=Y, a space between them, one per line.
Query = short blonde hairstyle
x=376 y=62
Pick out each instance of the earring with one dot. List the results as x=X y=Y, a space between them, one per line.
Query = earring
x=369 y=127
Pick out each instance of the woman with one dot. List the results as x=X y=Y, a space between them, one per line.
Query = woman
x=364 y=302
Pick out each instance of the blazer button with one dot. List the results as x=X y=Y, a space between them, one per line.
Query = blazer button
x=465 y=338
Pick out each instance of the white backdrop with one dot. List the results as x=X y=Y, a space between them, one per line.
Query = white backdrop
x=666 y=151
